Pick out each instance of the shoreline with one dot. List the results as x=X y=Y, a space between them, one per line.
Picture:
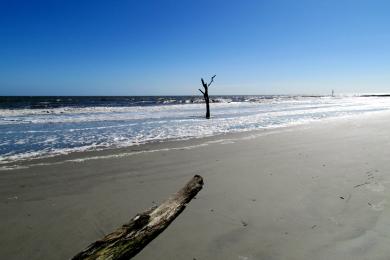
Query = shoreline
x=168 y=144
x=313 y=191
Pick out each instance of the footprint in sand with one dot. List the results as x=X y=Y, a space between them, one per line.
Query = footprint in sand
x=376 y=187
x=379 y=206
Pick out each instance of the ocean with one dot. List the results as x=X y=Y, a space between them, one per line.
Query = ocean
x=36 y=127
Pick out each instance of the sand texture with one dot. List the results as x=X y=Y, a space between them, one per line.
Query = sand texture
x=315 y=191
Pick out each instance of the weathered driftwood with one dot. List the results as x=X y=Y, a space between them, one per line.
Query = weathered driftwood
x=131 y=238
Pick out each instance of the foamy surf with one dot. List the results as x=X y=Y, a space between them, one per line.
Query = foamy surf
x=44 y=132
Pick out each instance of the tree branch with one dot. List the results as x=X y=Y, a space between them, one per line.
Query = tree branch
x=204 y=84
x=211 y=81
x=201 y=91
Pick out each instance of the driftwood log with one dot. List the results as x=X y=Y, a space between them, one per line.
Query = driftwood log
x=131 y=238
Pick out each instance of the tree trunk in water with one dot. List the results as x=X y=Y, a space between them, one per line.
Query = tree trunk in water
x=207 y=107
x=206 y=95
x=131 y=238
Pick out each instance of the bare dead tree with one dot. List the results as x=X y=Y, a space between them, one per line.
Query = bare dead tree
x=206 y=95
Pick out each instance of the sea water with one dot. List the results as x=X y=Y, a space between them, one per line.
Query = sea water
x=35 y=127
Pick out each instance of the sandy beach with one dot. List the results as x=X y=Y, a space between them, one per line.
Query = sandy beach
x=314 y=191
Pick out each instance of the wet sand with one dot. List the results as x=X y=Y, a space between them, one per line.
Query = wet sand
x=315 y=191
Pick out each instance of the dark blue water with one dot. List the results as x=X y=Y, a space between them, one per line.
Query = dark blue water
x=41 y=102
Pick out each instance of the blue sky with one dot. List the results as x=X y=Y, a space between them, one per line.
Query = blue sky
x=163 y=47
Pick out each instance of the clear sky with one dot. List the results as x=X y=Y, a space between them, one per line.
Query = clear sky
x=145 y=47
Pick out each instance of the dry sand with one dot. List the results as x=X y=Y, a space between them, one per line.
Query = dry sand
x=317 y=191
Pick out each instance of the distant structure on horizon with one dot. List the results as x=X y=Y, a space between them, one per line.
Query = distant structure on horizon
x=332 y=92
